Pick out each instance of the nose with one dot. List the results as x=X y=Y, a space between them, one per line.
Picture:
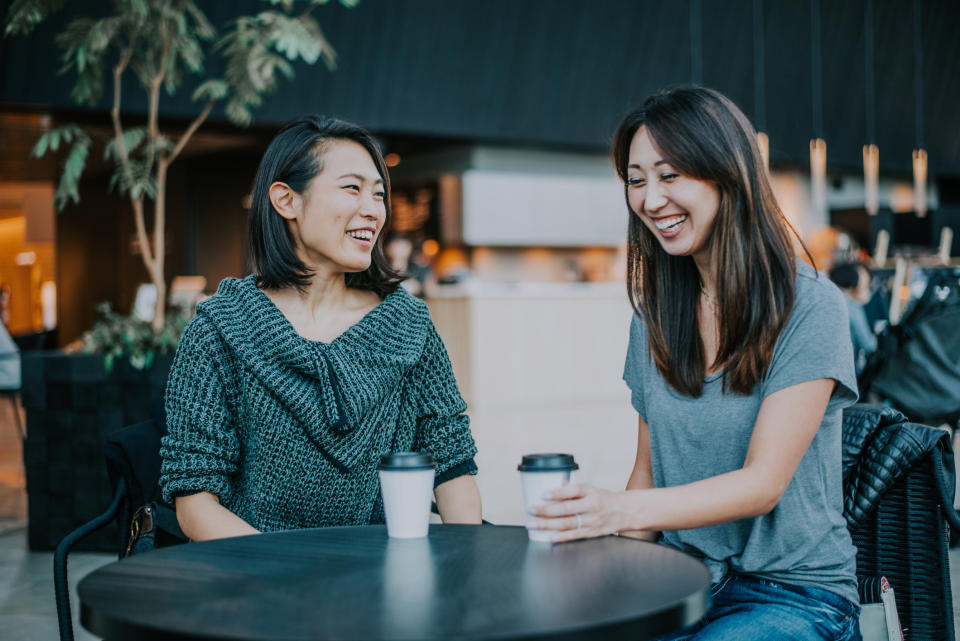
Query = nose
x=654 y=198
x=370 y=208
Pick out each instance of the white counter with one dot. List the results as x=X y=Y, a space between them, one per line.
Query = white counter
x=540 y=366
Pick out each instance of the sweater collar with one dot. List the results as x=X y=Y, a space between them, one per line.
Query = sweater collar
x=327 y=387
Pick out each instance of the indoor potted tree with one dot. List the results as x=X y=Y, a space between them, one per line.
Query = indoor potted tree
x=73 y=401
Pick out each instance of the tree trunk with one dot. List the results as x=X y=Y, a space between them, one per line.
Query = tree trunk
x=159 y=308
x=160 y=245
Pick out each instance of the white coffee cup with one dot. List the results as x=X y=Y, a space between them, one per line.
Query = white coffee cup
x=540 y=473
x=406 y=485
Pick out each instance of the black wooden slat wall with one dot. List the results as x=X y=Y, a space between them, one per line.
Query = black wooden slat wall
x=562 y=72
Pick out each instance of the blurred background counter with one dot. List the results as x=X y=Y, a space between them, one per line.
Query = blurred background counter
x=540 y=366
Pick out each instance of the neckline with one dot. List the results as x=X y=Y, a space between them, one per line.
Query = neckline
x=289 y=328
x=712 y=377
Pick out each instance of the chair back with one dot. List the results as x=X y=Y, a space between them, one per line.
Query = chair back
x=133 y=454
x=899 y=509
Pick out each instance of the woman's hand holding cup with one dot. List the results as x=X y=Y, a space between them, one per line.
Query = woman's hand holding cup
x=577 y=511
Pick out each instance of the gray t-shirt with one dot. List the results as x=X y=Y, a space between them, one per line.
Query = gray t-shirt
x=804 y=539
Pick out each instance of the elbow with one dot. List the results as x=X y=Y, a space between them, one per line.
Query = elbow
x=768 y=498
x=183 y=520
x=189 y=511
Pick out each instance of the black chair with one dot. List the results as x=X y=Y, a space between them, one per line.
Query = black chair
x=133 y=464
x=898 y=502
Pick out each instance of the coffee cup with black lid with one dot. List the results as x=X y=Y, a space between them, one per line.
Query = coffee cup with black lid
x=406 y=485
x=540 y=473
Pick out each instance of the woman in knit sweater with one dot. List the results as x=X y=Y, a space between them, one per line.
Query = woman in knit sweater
x=289 y=385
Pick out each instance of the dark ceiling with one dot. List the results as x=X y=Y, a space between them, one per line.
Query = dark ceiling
x=561 y=73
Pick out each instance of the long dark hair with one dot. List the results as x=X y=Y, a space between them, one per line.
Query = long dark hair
x=295 y=156
x=702 y=134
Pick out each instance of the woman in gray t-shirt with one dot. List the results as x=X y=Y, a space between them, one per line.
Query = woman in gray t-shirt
x=740 y=365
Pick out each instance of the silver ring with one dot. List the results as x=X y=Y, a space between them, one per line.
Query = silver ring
x=579 y=523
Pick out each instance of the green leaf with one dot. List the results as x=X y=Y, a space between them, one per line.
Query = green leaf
x=132 y=138
x=24 y=15
x=50 y=141
x=68 y=186
x=215 y=89
x=238 y=113
x=41 y=147
x=202 y=26
x=84 y=43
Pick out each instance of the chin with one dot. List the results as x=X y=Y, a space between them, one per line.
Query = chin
x=357 y=267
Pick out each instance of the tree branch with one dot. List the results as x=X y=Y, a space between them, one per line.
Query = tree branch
x=159 y=236
x=115 y=110
x=122 y=154
x=142 y=233
x=155 y=89
x=185 y=137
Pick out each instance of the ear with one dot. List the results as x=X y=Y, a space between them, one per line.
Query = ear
x=284 y=200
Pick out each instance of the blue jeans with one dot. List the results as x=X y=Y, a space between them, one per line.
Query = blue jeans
x=750 y=608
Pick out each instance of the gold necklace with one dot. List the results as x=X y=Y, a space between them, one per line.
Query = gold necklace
x=711 y=301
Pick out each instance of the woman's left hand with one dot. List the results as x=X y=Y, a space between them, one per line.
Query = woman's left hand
x=580 y=512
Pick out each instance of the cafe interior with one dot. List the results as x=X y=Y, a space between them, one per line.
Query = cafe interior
x=495 y=120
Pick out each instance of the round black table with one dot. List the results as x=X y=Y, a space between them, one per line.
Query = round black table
x=461 y=582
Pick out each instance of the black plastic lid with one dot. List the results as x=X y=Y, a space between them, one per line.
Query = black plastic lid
x=547 y=463
x=406 y=461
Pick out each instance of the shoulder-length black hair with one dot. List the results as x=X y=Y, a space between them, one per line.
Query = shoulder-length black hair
x=702 y=134
x=294 y=157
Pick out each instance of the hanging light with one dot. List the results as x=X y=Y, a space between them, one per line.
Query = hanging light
x=759 y=84
x=920 y=182
x=764 y=143
x=871 y=153
x=818 y=146
x=818 y=175
x=871 y=177
x=919 y=154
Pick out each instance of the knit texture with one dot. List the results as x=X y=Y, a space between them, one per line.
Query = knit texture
x=288 y=432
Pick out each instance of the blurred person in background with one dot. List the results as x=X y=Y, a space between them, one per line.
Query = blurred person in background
x=740 y=365
x=854 y=280
x=289 y=385
x=406 y=260
x=9 y=361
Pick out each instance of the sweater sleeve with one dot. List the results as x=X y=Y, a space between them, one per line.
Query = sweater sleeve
x=443 y=429
x=201 y=449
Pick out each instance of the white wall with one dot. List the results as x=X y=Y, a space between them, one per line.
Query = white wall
x=514 y=197
x=540 y=367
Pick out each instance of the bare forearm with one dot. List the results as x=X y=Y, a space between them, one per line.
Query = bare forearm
x=201 y=517
x=458 y=500
x=744 y=493
x=641 y=479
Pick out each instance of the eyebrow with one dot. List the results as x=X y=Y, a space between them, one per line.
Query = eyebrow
x=656 y=164
x=360 y=177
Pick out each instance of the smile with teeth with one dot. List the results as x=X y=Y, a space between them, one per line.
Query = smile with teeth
x=671 y=222
x=362 y=234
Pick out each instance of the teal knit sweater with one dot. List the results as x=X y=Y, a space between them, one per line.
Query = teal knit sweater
x=288 y=432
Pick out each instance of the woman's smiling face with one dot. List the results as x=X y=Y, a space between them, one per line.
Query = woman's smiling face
x=678 y=210
x=341 y=213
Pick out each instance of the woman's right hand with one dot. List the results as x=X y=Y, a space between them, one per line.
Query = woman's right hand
x=578 y=511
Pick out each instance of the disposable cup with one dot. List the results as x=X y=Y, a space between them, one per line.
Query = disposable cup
x=540 y=473
x=406 y=485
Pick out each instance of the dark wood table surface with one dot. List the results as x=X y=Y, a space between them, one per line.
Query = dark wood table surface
x=461 y=582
